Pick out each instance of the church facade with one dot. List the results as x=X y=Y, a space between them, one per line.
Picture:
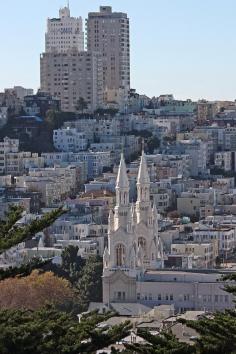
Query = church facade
x=133 y=262
x=133 y=242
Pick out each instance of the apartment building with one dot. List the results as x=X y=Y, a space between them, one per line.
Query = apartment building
x=225 y=237
x=7 y=146
x=108 y=33
x=203 y=253
x=64 y=33
x=69 y=140
x=73 y=75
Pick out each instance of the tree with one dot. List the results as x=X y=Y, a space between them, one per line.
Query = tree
x=72 y=264
x=81 y=105
x=55 y=119
x=47 y=331
x=41 y=288
x=152 y=144
x=11 y=235
x=89 y=286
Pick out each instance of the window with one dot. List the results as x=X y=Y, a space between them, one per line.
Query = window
x=142 y=243
x=120 y=255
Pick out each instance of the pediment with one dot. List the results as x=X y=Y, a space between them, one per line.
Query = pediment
x=121 y=276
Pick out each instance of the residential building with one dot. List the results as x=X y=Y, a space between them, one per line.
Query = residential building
x=64 y=33
x=20 y=92
x=39 y=104
x=223 y=160
x=7 y=146
x=225 y=236
x=206 y=111
x=72 y=75
x=108 y=33
x=203 y=254
x=69 y=140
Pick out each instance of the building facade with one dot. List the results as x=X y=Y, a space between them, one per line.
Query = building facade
x=133 y=261
x=64 y=33
x=108 y=33
x=72 y=75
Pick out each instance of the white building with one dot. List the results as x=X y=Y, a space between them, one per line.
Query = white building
x=69 y=140
x=64 y=33
x=223 y=160
x=225 y=237
x=197 y=150
x=132 y=261
x=3 y=116
x=7 y=146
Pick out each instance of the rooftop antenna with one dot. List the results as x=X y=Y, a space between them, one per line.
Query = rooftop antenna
x=68 y=4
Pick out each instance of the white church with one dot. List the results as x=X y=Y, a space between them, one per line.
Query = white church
x=133 y=262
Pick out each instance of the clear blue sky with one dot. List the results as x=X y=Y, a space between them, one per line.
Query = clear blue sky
x=184 y=47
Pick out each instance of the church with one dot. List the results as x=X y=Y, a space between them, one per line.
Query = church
x=133 y=262
x=133 y=242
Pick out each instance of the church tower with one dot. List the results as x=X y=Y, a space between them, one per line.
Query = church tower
x=133 y=242
x=122 y=197
x=143 y=204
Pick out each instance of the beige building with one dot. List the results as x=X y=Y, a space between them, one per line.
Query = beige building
x=108 y=33
x=206 y=111
x=203 y=254
x=64 y=33
x=71 y=75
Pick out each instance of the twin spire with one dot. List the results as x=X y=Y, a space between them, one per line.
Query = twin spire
x=122 y=177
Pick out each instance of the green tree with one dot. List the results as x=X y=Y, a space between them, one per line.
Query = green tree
x=11 y=234
x=48 y=331
x=72 y=264
x=89 y=286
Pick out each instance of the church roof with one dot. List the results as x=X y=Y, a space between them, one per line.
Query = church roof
x=122 y=178
x=143 y=176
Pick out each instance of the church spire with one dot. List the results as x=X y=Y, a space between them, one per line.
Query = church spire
x=122 y=178
x=143 y=176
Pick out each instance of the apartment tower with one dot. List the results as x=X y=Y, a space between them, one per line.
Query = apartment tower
x=108 y=34
x=67 y=71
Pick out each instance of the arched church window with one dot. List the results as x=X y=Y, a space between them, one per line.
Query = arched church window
x=120 y=255
x=142 y=243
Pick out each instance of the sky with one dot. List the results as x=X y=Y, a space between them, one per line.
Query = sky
x=183 y=47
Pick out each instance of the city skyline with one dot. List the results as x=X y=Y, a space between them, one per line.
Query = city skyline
x=192 y=50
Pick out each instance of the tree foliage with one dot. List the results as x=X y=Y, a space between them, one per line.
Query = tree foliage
x=89 y=286
x=12 y=235
x=48 y=331
x=34 y=291
x=25 y=269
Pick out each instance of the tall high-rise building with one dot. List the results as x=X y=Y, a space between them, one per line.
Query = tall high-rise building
x=108 y=33
x=64 y=33
x=67 y=71
x=71 y=75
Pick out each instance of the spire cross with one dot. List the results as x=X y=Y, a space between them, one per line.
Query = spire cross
x=143 y=144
